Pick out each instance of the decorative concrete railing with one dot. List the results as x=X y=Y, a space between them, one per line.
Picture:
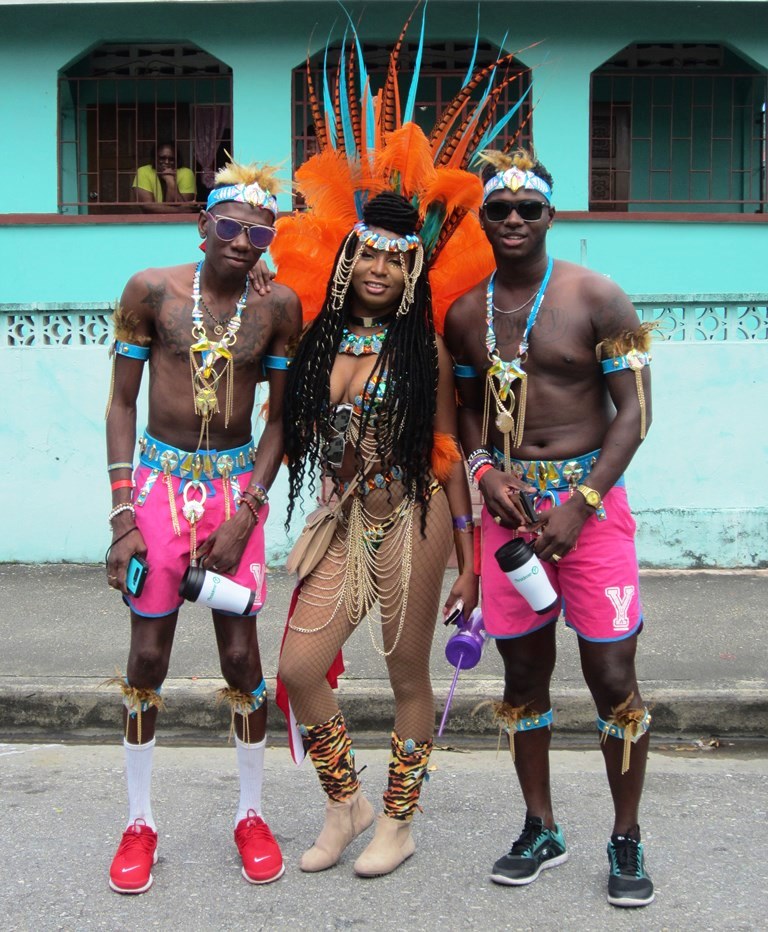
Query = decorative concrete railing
x=680 y=318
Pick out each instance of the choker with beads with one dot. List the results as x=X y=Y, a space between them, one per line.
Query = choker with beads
x=356 y=344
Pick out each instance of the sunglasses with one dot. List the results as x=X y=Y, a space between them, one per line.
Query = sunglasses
x=529 y=211
x=227 y=229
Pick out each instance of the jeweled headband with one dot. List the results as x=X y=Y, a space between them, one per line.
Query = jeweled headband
x=379 y=241
x=252 y=194
x=514 y=179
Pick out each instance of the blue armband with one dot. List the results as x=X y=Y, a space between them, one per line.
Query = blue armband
x=634 y=360
x=275 y=362
x=131 y=350
x=465 y=372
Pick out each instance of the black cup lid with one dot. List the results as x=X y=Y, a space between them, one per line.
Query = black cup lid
x=513 y=554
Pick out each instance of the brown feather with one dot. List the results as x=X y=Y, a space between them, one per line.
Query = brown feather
x=390 y=112
x=321 y=132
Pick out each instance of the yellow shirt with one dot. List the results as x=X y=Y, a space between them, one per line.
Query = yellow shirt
x=147 y=179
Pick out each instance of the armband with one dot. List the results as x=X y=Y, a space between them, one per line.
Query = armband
x=275 y=362
x=634 y=360
x=465 y=372
x=131 y=350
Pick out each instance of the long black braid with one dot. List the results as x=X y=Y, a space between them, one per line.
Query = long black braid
x=405 y=406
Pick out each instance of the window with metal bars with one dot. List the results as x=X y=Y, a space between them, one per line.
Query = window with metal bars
x=678 y=127
x=118 y=104
x=443 y=69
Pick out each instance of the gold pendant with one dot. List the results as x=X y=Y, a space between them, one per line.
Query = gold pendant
x=505 y=423
x=206 y=403
x=218 y=330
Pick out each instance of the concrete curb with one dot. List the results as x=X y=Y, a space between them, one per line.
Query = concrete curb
x=85 y=708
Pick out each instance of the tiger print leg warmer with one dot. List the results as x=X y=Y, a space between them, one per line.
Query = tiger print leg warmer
x=347 y=811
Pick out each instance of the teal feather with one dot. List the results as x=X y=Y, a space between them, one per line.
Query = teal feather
x=411 y=103
x=471 y=69
x=346 y=115
x=327 y=101
x=493 y=131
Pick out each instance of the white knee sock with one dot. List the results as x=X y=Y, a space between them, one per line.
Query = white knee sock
x=138 y=776
x=250 y=762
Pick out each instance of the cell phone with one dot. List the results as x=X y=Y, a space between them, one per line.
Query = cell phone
x=527 y=504
x=457 y=609
x=136 y=575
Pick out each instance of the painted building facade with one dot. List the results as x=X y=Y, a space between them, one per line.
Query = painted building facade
x=650 y=115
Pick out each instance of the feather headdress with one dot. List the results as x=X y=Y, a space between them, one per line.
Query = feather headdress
x=369 y=143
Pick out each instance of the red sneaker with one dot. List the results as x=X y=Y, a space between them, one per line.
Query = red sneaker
x=131 y=870
x=262 y=860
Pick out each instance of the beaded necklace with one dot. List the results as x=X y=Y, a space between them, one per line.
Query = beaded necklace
x=355 y=344
x=205 y=379
x=507 y=373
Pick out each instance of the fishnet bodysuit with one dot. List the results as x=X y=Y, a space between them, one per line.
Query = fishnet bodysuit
x=307 y=654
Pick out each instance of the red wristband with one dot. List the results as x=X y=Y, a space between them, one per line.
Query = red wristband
x=122 y=484
x=481 y=472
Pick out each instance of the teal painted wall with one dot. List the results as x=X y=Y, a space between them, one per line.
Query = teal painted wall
x=692 y=508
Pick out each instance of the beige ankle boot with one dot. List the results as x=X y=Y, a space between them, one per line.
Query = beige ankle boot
x=344 y=821
x=392 y=844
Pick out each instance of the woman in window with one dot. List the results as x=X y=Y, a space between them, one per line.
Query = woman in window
x=165 y=186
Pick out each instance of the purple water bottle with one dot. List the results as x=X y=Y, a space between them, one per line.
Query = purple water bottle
x=463 y=651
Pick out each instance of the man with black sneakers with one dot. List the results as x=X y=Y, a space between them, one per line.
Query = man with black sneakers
x=552 y=370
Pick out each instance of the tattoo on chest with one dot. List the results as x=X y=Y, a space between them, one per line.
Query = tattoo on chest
x=155 y=297
x=174 y=328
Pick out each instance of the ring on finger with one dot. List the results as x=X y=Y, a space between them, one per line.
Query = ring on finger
x=556 y=557
x=497 y=519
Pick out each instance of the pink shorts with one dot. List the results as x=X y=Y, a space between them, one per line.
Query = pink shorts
x=597 y=581
x=168 y=554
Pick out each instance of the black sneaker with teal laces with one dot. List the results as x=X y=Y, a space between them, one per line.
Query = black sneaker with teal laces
x=535 y=850
x=628 y=882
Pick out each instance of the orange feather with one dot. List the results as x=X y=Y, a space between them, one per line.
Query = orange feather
x=406 y=151
x=326 y=182
x=454 y=190
x=465 y=260
x=445 y=454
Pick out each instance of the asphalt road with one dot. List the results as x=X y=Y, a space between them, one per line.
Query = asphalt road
x=62 y=811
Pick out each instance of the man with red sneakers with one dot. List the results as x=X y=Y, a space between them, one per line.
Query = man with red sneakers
x=199 y=494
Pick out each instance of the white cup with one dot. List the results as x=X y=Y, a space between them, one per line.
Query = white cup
x=523 y=569
x=216 y=591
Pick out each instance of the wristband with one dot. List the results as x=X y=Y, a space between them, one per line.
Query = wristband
x=122 y=484
x=257 y=492
x=112 y=466
x=480 y=473
x=463 y=523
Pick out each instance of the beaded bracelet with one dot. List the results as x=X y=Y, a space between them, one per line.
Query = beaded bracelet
x=112 y=466
x=479 y=452
x=251 y=507
x=480 y=473
x=119 y=509
x=477 y=466
x=257 y=492
x=463 y=523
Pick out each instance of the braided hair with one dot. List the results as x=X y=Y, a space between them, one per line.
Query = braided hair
x=405 y=401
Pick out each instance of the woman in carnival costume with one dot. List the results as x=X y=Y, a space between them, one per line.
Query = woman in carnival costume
x=371 y=403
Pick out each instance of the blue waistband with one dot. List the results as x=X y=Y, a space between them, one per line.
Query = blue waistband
x=552 y=475
x=202 y=464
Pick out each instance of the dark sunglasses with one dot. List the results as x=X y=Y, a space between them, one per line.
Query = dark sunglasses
x=529 y=211
x=228 y=229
